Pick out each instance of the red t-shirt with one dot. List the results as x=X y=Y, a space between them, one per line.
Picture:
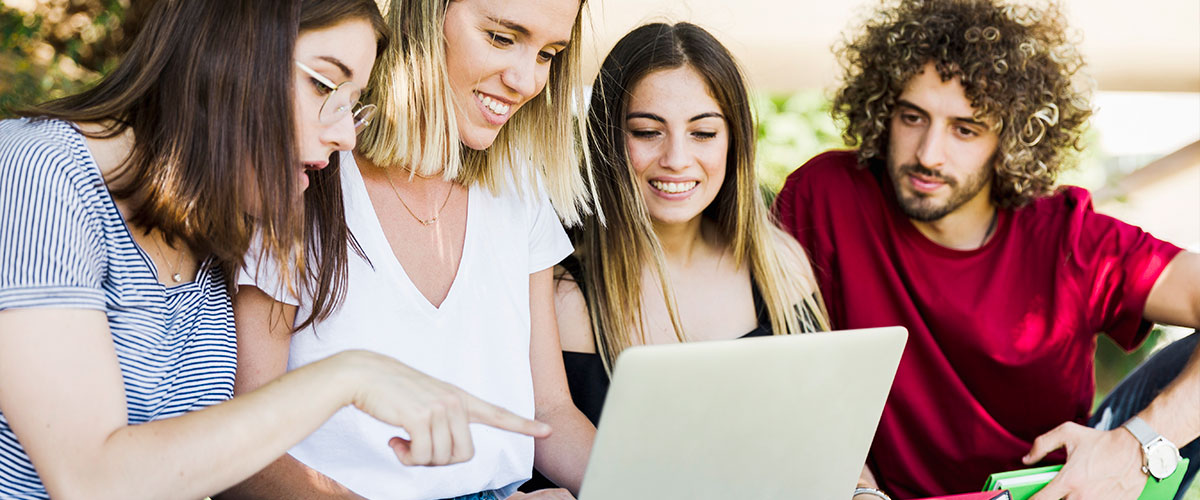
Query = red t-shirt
x=1001 y=338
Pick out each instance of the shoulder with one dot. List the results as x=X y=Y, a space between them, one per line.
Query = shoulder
x=29 y=144
x=41 y=158
x=574 y=322
x=1069 y=207
x=827 y=175
x=829 y=166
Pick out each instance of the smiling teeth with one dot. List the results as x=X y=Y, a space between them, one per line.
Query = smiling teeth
x=493 y=105
x=674 y=187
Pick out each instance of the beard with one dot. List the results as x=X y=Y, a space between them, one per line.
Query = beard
x=924 y=207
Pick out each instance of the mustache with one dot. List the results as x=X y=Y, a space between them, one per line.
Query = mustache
x=916 y=168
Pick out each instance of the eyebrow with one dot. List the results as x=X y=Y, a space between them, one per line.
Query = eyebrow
x=346 y=72
x=652 y=116
x=520 y=30
x=966 y=120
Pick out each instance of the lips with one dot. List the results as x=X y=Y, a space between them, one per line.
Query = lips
x=924 y=180
x=310 y=166
x=495 y=109
x=925 y=184
x=674 y=187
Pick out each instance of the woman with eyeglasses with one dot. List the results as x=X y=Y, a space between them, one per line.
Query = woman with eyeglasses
x=124 y=212
x=451 y=199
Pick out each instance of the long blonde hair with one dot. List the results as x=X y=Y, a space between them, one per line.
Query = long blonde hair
x=417 y=127
x=614 y=252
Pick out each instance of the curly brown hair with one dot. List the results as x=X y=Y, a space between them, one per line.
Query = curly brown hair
x=1016 y=64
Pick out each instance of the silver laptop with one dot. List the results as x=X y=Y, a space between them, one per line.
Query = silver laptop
x=788 y=417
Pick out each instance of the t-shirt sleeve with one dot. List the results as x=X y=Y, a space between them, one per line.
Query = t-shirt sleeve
x=791 y=206
x=52 y=251
x=262 y=272
x=548 y=242
x=1122 y=262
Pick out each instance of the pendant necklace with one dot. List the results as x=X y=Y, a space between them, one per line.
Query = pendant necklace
x=424 y=222
x=176 y=276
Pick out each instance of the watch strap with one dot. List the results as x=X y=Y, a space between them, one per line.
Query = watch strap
x=1141 y=431
x=866 y=490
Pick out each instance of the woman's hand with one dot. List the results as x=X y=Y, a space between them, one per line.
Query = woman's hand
x=434 y=413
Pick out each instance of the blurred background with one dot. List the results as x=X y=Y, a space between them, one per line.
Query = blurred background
x=1142 y=160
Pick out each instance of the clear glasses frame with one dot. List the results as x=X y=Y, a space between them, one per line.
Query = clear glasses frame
x=341 y=99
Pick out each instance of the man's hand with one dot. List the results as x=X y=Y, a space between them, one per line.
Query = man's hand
x=1100 y=464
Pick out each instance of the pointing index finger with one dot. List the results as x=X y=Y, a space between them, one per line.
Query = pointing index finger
x=482 y=412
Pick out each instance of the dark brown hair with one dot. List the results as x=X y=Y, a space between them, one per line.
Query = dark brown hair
x=206 y=90
x=327 y=238
x=1016 y=64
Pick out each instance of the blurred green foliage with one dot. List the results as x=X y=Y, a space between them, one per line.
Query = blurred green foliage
x=791 y=129
x=53 y=48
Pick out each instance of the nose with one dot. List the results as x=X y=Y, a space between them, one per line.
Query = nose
x=675 y=156
x=340 y=134
x=931 y=152
x=522 y=76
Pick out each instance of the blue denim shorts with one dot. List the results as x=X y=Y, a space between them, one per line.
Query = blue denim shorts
x=483 y=495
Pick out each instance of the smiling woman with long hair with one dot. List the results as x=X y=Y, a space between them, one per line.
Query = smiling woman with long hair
x=124 y=211
x=451 y=199
x=687 y=250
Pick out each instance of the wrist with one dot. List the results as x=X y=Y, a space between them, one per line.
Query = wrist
x=1160 y=457
x=869 y=492
x=345 y=371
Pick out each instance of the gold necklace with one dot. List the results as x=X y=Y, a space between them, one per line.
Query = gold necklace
x=176 y=276
x=424 y=222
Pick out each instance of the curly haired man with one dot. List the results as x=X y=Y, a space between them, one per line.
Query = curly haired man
x=945 y=220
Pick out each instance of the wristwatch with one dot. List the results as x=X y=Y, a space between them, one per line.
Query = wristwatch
x=1159 y=456
x=875 y=492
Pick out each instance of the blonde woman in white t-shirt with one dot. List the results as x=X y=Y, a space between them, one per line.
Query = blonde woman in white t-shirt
x=451 y=200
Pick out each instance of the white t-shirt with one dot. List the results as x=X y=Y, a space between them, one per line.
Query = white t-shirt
x=477 y=340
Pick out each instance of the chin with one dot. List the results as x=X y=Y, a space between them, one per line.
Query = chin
x=478 y=141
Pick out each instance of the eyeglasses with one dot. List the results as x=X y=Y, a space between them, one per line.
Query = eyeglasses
x=340 y=99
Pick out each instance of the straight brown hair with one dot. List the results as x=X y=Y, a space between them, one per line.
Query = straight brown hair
x=206 y=89
x=327 y=238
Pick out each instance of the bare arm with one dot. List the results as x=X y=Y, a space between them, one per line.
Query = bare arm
x=1107 y=464
x=1175 y=300
x=264 y=331
x=61 y=390
x=562 y=457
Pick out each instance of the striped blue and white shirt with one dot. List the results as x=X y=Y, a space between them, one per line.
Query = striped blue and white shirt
x=63 y=244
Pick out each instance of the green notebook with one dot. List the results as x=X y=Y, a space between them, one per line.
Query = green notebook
x=1024 y=483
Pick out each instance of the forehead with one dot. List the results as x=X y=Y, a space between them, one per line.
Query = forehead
x=546 y=20
x=676 y=91
x=936 y=97
x=350 y=42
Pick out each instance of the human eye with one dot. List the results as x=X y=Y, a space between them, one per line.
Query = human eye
x=546 y=56
x=500 y=40
x=644 y=133
x=320 y=86
x=966 y=132
x=704 y=135
x=911 y=118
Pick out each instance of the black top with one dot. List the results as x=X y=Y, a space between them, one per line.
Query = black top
x=588 y=381
x=585 y=371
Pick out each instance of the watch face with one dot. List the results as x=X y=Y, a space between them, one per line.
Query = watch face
x=1161 y=460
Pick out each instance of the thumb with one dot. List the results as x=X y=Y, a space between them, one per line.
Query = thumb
x=1055 y=490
